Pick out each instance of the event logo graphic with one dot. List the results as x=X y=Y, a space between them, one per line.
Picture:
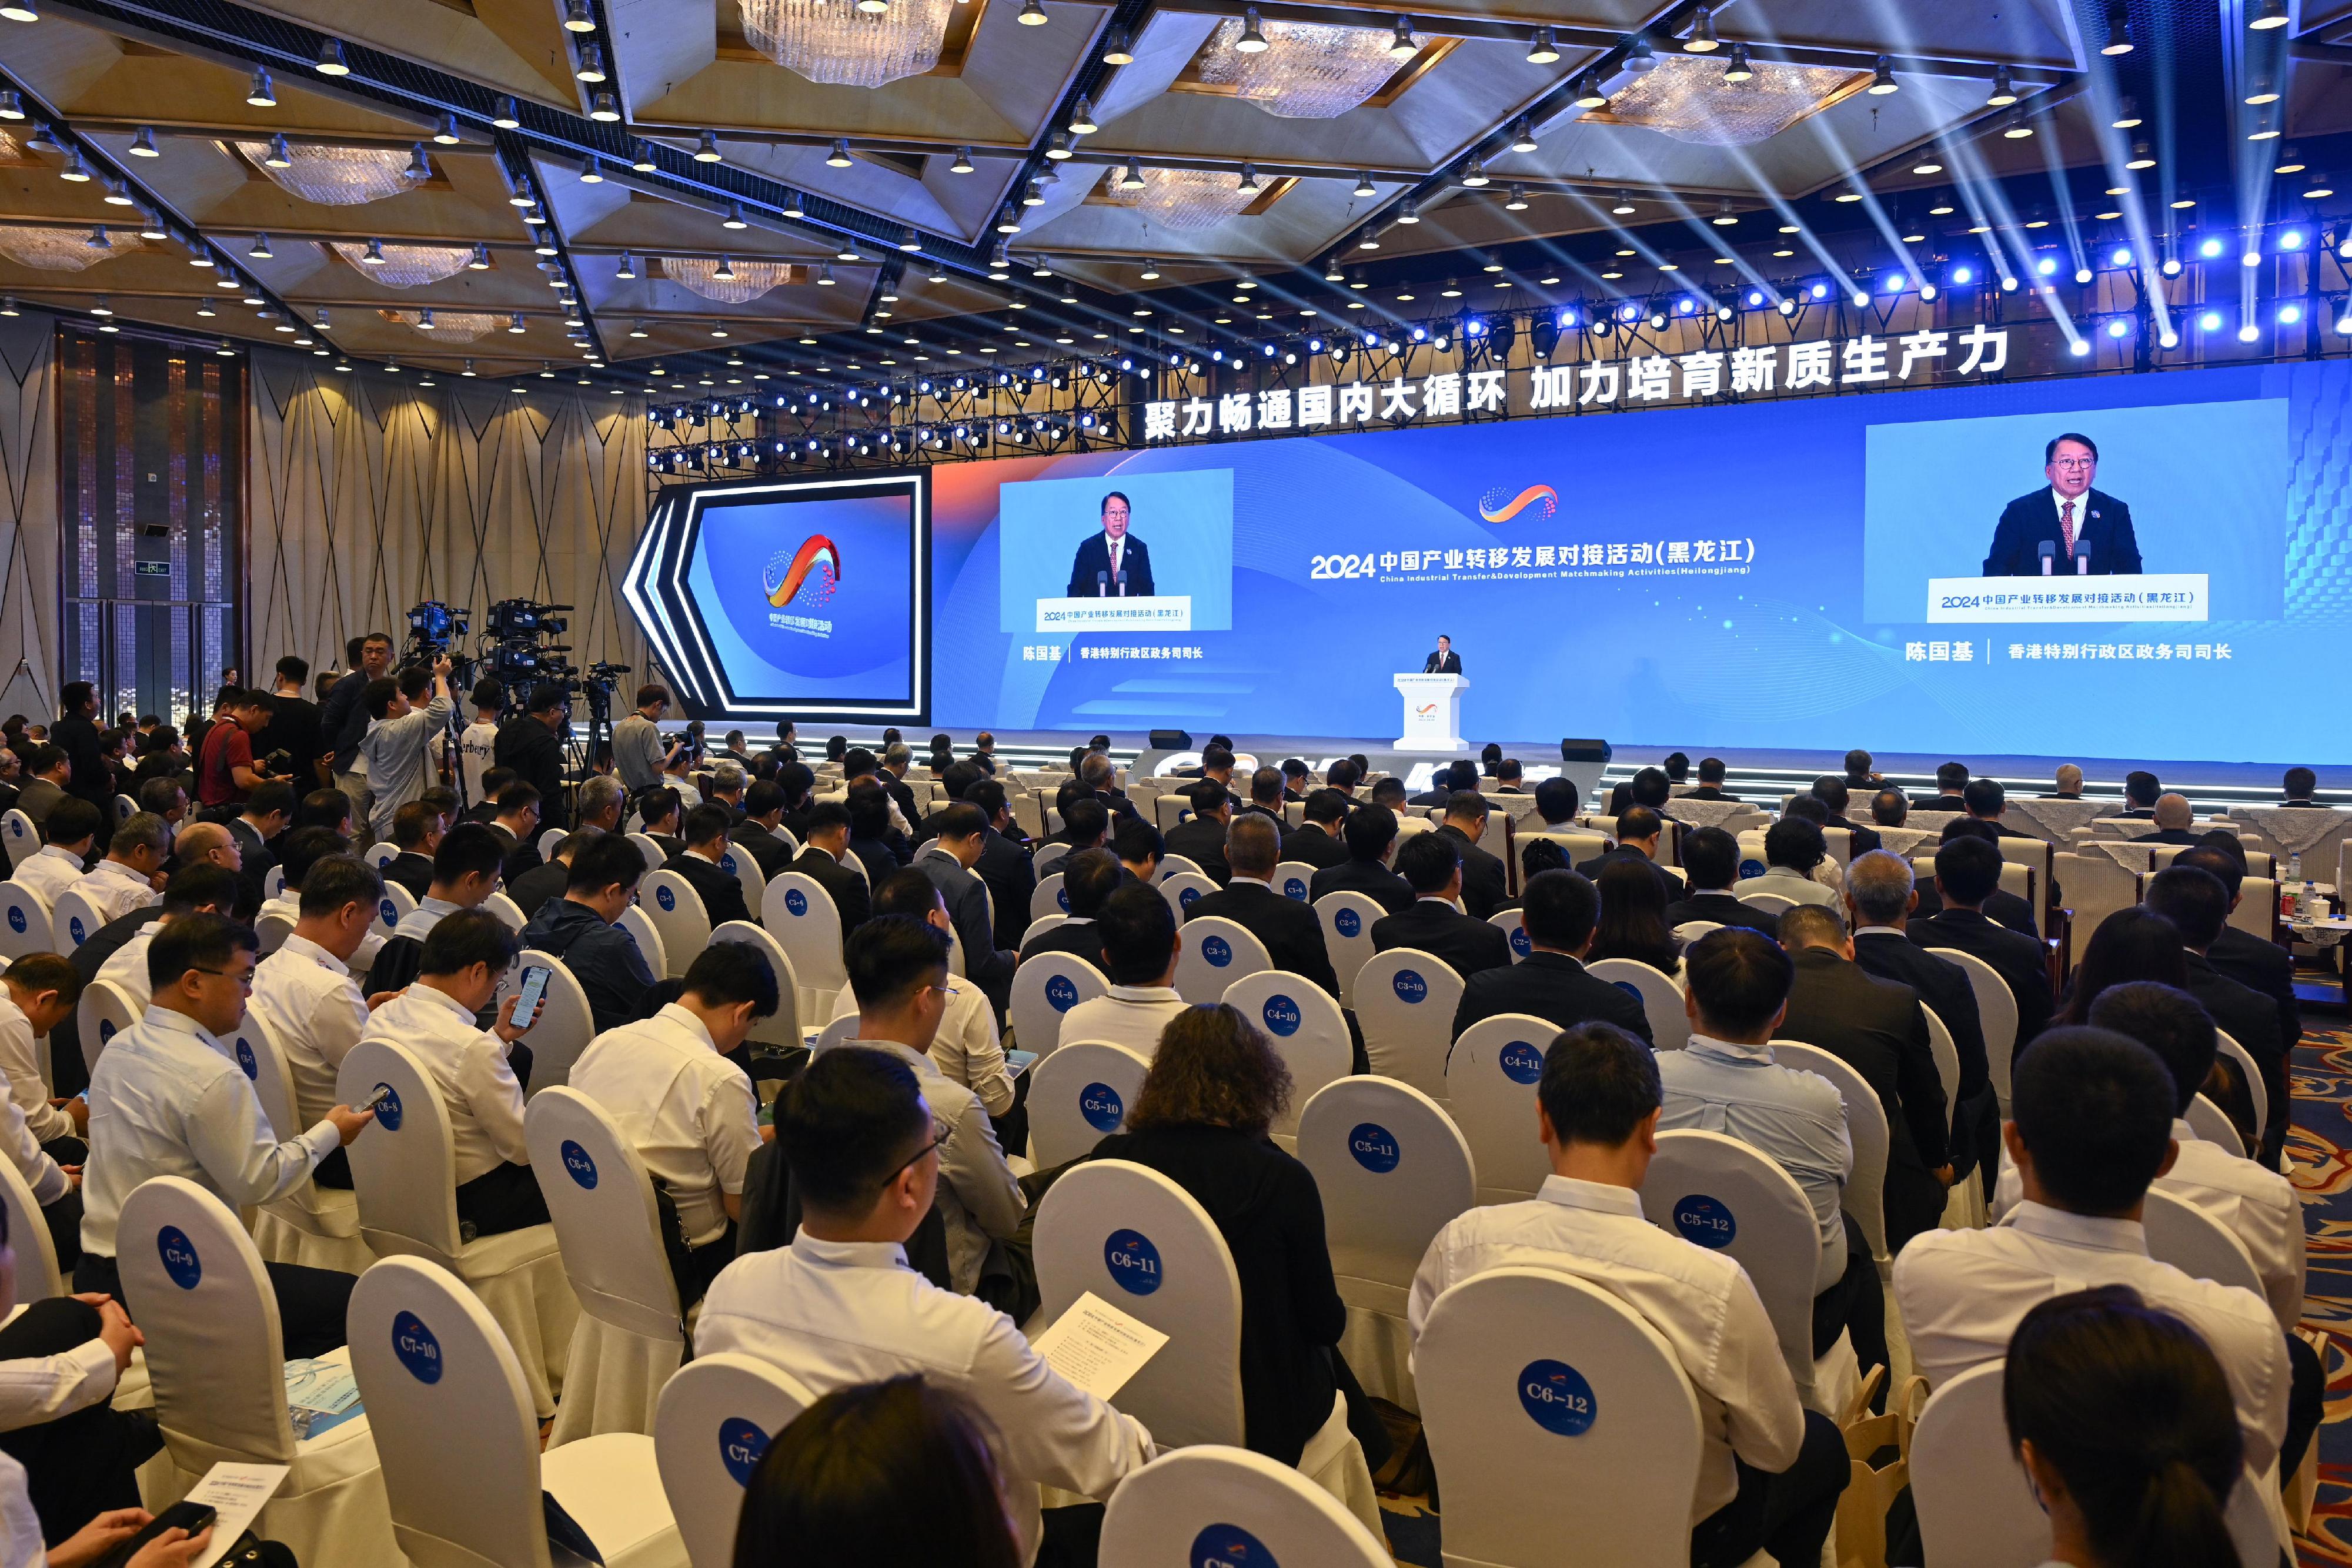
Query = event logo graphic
x=1495 y=508
x=804 y=578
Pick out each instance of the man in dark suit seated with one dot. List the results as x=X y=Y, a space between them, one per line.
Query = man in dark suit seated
x=2255 y=962
x=1986 y=802
x=1445 y=781
x=1087 y=878
x=1265 y=795
x=2069 y=780
x=1200 y=838
x=1114 y=563
x=1879 y=899
x=2003 y=907
x=2196 y=903
x=1085 y=822
x=1967 y=873
x=1509 y=776
x=1003 y=864
x=2066 y=529
x=2141 y=789
x=706 y=844
x=1139 y=848
x=1485 y=879
x=517 y=823
x=825 y=859
x=416 y=834
x=1859 y=777
x=1639 y=831
x=2173 y=814
x=1370 y=832
x=1951 y=781
x=1831 y=792
x=1710 y=781
x=756 y=834
x=1558 y=911
x=583 y=929
x=1874 y=1027
x=1711 y=861
x=1555 y=805
x=1316 y=842
x=1216 y=762
x=1444 y=661
x=1888 y=808
x=1431 y=865
x=549 y=879
x=1389 y=793
x=267 y=812
x=954 y=780
x=1297 y=785
x=659 y=810
x=947 y=860
x=1099 y=774
x=872 y=839
x=2301 y=782
x=1290 y=929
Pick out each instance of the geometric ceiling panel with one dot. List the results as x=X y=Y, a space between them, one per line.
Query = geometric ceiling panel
x=60 y=250
x=1687 y=99
x=336 y=176
x=404 y=266
x=848 y=44
x=1301 y=70
x=741 y=282
x=1183 y=200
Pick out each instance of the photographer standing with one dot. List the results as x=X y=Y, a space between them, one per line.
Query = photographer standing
x=400 y=738
x=531 y=745
x=639 y=752
x=226 y=770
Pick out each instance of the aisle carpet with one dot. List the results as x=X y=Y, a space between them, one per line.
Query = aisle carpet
x=2321 y=1150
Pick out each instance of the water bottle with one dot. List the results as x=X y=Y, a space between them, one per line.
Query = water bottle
x=2292 y=900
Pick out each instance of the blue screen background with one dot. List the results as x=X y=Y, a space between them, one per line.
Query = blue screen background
x=1184 y=519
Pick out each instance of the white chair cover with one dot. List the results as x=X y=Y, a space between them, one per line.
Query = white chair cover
x=739 y=865
x=2212 y=1125
x=1306 y=1029
x=1393 y=1170
x=1183 y=889
x=38 y=1276
x=1044 y=988
x=403 y=1170
x=1865 y=1129
x=313 y=1226
x=273 y=883
x=1520 y=1364
x=102 y=1012
x=382 y=855
x=24 y=920
x=1047 y=858
x=783 y=1027
x=1996 y=1012
x=630 y=1335
x=1217 y=952
x=2193 y=1241
x=640 y=927
x=1213 y=1504
x=1078 y=1096
x=714 y=1421
x=216 y=1362
x=271 y=930
x=1514 y=928
x=2259 y=1090
x=1348 y=935
x=395 y=906
x=508 y=912
x=454 y=1426
x=1169 y=865
x=1490 y=1087
x=1404 y=1002
x=17 y=834
x=1293 y=878
x=73 y=918
x=1038 y=927
x=565 y=1024
x=1690 y=931
x=1947 y=1061
x=1659 y=993
x=670 y=901
x=842 y=1030
x=802 y=916
x=649 y=847
x=1048 y=899
x=1770 y=902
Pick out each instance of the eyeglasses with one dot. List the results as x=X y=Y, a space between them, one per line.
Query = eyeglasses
x=938 y=1137
x=244 y=977
x=2073 y=463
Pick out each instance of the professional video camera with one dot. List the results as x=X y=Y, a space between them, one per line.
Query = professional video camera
x=434 y=630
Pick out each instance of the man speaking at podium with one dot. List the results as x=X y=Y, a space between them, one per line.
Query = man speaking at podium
x=2078 y=529
x=1111 y=564
x=1445 y=662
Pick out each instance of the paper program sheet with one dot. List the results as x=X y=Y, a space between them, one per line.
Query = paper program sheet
x=1098 y=1347
x=235 y=1493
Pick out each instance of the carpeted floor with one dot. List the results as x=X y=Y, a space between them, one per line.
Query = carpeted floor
x=2321 y=1147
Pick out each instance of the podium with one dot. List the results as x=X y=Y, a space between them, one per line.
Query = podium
x=1432 y=713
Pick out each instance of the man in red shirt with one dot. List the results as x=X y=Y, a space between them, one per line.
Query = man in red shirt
x=225 y=773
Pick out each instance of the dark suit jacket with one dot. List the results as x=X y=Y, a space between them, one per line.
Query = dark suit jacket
x=1551 y=986
x=1864 y=840
x=984 y=964
x=2261 y=967
x=1311 y=845
x=521 y=854
x=1201 y=840
x=851 y=896
x=1724 y=910
x=2100 y=522
x=409 y=869
x=1466 y=944
x=1078 y=937
x=722 y=895
x=1371 y=878
x=1012 y=879
x=1940 y=985
x=769 y=853
x=1709 y=792
x=1876 y=1026
x=1939 y=803
x=35 y=799
x=531 y=750
x=1667 y=883
x=65 y=1040
x=1442 y=664
x=878 y=857
x=1292 y=932
x=2251 y=1019
x=537 y=885
x=2166 y=836
x=1093 y=556
x=2017 y=959
x=255 y=860
x=1485 y=882
x=2005 y=909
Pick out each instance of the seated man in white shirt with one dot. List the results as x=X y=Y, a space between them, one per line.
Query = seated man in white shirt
x=464 y=873
x=965 y=1047
x=2258 y=1207
x=198 y=890
x=1770 y=1471
x=840 y=1306
x=1139 y=942
x=304 y=994
x=2091 y=1127
x=167 y=1099
x=127 y=879
x=67 y=839
x=480 y=1089
x=689 y=1109
x=300 y=850
x=899 y=971
x=39 y=992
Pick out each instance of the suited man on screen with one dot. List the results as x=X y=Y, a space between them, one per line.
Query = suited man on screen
x=1101 y=558
x=2088 y=529
x=1445 y=662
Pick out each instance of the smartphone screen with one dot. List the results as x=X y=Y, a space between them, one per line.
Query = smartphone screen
x=534 y=985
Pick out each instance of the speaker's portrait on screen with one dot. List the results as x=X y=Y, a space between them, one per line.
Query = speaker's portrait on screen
x=1103 y=558
x=2078 y=526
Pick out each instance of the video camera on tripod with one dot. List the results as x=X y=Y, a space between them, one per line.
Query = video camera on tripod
x=434 y=630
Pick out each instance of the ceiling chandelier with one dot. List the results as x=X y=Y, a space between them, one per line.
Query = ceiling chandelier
x=1307 y=70
x=404 y=266
x=334 y=176
x=1180 y=199
x=745 y=281
x=449 y=326
x=59 y=250
x=1688 y=99
x=843 y=45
